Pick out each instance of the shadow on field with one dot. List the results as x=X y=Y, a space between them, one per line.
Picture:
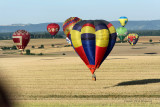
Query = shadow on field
x=135 y=82
x=148 y=43
x=138 y=82
x=115 y=58
x=139 y=48
x=151 y=53
x=52 y=59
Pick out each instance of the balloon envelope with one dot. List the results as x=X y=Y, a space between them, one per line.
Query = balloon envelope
x=93 y=40
x=121 y=33
x=123 y=20
x=21 y=39
x=132 y=38
x=68 y=25
x=53 y=28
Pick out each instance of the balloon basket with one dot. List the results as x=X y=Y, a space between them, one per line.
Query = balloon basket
x=94 y=77
x=21 y=53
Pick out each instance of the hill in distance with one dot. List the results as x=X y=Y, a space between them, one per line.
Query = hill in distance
x=42 y=27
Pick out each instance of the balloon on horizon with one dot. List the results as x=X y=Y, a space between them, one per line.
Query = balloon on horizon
x=21 y=39
x=121 y=33
x=123 y=20
x=53 y=29
x=132 y=38
x=93 y=40
x=68 y=25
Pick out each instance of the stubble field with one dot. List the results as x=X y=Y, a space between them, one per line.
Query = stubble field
x=128 y=77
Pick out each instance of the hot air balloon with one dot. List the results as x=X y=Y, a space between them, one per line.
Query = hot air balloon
x=53 y=29
x=68 y=41
x=132 y=38
x=68 y=25
x=93 y=40
x=121 y=33
x=123 y=20
x=21 y=39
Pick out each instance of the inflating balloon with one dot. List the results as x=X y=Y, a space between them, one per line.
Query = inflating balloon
x=132 y=38
x=53 y=28
x=123 y=20
x=68 y=25
x=21 y=39
x=121 y=33
x=93 y=40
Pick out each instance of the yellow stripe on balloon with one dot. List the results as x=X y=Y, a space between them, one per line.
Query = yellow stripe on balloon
x=112 y=30
x=132 y=43
x=88 y=29
x=66 y=30
x=76 y=40
x=102 y=38
x=122 y=21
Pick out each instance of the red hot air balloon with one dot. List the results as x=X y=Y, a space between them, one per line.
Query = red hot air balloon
x=53 y=28
x=21 y=39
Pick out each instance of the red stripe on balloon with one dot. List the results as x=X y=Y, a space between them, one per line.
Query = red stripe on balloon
x=92 y=68
x=88 y=24
x=82 y=54
x=109 y=25
x=100 y=51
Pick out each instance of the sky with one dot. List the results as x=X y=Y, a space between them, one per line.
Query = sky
x=44 y=11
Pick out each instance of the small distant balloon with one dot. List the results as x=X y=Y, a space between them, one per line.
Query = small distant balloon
x=68 y=25
x=21 y=39
x=121 y=33
x=53 y=29
x=123 y=20
x=132 y=38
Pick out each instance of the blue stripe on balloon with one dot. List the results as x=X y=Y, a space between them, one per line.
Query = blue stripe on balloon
x=77 y=27
x=123 y=17
x=88 y=36
x=113 y=36
x=89 y=49
x=135 y=41
x=69 y=36
x=101 y=26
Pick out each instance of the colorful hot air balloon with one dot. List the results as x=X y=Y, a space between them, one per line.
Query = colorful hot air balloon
x=21 y=39
x=68 y=25
x=93 y=40
x=121 y=33
x=132 y=38
x=68 y=41
x=123 y=20
x=53 y=28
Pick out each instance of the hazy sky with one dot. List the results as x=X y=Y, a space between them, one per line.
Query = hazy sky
x=42 y=11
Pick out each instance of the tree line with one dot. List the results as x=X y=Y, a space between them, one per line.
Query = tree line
x=33 y=35
x=146 y=32
x=37 y=35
